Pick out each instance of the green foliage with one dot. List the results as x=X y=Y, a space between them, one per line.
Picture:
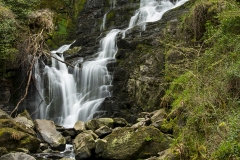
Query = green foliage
x=148 y=138
x=206 y=92
x=8 y=37
x=21 y=7
x=79 y=5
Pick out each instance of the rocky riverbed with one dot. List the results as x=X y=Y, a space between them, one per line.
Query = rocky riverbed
x=102 y=138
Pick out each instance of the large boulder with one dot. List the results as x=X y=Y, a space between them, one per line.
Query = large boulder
x=84 y=144
x=128 y=143
x=10 y=123
x=49 y=134
x=17 y=156
x=13 y=139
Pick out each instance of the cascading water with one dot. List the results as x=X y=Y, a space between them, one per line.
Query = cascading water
x=77 y=95
x=112 y=6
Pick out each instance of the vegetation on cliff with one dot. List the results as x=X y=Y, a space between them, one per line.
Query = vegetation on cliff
x=18 y=24
x=204 y=88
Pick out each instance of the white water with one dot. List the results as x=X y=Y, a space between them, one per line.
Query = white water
x=77 y=95
x=103 y=26
x=112 y=4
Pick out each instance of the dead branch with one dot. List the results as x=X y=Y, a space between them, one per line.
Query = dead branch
x=26 y=89
x=60 y=60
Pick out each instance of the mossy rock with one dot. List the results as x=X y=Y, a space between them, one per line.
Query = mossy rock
x=4 y=115
x=97 y=123
x=9 y=123
x=127 y=143
x=12 y=139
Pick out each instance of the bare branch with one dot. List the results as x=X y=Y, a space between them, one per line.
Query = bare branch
x=60 y=60
x=26 y=89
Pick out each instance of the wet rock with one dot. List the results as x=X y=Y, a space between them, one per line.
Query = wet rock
x=103 y=131
x=128 y=143
x=12 y=139
x=17 y=156
x=79 y=127
x=83 y=145
x=49 y=134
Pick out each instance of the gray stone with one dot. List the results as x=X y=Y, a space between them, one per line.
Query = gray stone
x=17 y=156
x=49 y=134
x=83 y=144
x=101 y=144
x=103 y=131
x=94 y=124
x=159 y=115
x=24 y=121
x=119 y=122
x=79 y=127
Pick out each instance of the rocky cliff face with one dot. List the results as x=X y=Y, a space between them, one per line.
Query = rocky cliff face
x=138 y=72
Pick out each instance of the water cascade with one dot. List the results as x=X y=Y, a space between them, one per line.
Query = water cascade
x=75 y=94
x=112 y=6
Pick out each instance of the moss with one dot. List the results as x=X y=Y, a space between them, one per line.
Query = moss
x=111 y=15
x=79 y=6
x=62 y=140
x=65 y=17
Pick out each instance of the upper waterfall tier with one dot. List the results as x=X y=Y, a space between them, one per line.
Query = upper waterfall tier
x=75 y=94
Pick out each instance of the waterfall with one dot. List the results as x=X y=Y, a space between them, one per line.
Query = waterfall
x=103 y=26
x=112 y=4
x=75 y=95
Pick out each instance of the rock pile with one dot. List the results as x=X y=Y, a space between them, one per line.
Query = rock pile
x=102 y=138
